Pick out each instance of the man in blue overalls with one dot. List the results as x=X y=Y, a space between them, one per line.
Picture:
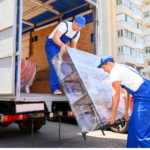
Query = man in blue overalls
x=56 y=42
x=139 y=87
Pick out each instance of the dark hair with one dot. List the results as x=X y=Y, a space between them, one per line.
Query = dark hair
x=107 y=62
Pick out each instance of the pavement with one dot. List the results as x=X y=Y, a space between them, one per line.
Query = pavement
x=48 y=137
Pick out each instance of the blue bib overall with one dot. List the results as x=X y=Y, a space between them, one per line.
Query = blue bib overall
x=51 y=50
x=139 y=124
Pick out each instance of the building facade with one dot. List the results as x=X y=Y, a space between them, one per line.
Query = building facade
x=124 y=32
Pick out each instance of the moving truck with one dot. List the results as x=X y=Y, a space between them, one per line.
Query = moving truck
x=24 y=26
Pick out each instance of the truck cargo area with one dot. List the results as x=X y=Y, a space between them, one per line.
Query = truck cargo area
x=39 y=19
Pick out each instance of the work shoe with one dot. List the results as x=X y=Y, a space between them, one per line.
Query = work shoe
x=57 y=92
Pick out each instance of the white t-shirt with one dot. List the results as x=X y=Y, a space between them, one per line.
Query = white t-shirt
x=127 y=77
x=63 y=28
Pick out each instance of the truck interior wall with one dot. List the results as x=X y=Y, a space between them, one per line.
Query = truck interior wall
x=38 y=55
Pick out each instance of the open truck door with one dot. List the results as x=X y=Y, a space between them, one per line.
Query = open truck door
x=8 y=45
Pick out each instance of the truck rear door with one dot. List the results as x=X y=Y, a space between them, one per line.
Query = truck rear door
x=8 y=30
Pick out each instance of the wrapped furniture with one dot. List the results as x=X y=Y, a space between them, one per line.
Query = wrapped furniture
x=88 y=89
x=28 y=71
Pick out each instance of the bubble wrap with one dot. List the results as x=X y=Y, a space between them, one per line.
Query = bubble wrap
x=88 y=89
x=28 y=71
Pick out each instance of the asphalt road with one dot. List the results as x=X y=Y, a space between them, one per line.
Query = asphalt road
x=47 y=137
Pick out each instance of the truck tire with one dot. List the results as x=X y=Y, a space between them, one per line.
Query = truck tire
x=25 y=126
x=122 y=130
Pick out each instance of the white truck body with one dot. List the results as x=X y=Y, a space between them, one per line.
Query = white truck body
x=10 y=55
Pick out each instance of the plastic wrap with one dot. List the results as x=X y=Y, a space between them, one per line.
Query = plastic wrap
x=28 y=71
x=88 y=89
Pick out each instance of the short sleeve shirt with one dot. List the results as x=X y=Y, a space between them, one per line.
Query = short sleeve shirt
x=63 y=28
x=127 y=77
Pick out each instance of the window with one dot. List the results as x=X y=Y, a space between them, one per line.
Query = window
x=128 y=19
x=138 y=26
x=144 y=74
x=127 y=50
x=138 y=54
x=135 y=54
x=121 y=32
x=139 y=40
x=120 y=50
x=126 y=33
x=132 y=36
x=141 y=56
x=147 y=49
x=132 y=6
x=146 y=14
x=118 y=2
x=128 y=4
x=118 y=33
x=129 y=35
x=132 y=52
x=137 y=11
x=135 y=24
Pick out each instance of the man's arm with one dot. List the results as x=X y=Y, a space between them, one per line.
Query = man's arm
x=127 y=103
x=73 y=44
x=57 y=40
x=115 y=100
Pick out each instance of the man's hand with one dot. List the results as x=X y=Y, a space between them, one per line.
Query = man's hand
x=126 y=116
x=111 y=119
x=63 y=48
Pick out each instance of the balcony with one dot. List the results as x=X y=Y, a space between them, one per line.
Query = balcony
x=138 y=17
x=148 y=69
x=137 y=2
x=139 y=46
x=127 y=59
x=146 y=8
x=138 y=31
x=147 y=31
x=125 y=41
x=139 y=61
x=147 y=20
x=124 y=9
x=147 y=55
x=147 y=40
x=147 y=44
x=125 y=25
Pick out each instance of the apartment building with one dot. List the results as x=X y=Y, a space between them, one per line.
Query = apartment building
x=124 y=32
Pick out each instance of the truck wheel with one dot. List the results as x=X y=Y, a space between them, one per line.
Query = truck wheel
x=25 y=126
x=51 y=117
x=122 y=130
